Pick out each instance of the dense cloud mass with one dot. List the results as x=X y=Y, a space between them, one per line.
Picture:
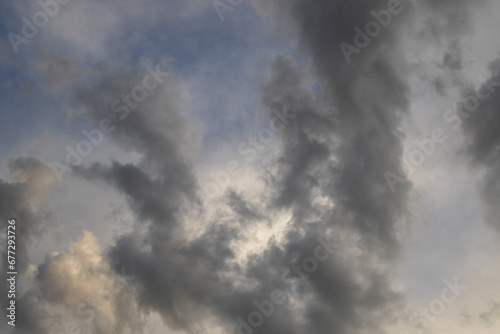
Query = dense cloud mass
x=30 y=181
x=480 y=118
x=326 y=233
x=22 y=199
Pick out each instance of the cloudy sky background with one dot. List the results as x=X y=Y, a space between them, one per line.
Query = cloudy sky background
x=138 y=238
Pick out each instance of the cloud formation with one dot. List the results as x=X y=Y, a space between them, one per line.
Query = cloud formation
x=482 y=140
x=316 y=239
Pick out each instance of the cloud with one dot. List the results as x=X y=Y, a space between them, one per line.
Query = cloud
x=245 y=210
x=342 y=142
x=78 y=291
x=82 y=281
x=21 y=200
x=326 y=172
x=482 y=140
x=341 y=151
x=349 y=137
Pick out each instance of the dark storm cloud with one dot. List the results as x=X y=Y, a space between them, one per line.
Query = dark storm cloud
x=343 y=144
x=153 y=128
x=333 y=299
x=179 y=279
x=17 y=201
x=480 y=127
x=31 y=316
x=20 y=200
x=366 y=101
x=152 y=200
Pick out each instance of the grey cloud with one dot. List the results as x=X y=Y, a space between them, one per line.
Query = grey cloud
x=179 y=281
x=366 y=102
x=32 y=314
x=152 y=199
x=154 y=128
x=18 y=200
x=482 y=140
x=340 y=144
x=177 y=278
x=333 y=300
x=243 y=208
x=343 y=142
x=22 y=201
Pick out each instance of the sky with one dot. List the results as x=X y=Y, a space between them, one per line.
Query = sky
x=250 y=166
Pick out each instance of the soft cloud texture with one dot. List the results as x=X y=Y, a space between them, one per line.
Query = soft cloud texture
x=312 y=215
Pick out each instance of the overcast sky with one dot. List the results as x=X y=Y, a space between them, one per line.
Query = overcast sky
x=251 y=166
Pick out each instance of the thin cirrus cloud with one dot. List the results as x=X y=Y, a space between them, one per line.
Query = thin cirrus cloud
x=311 y=235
